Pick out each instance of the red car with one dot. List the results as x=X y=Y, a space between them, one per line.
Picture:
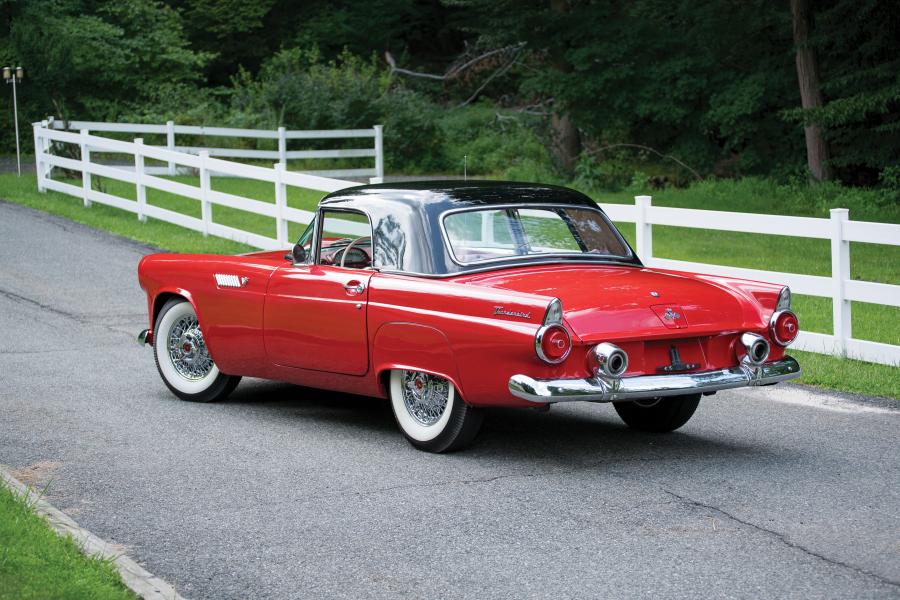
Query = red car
x=447 y=297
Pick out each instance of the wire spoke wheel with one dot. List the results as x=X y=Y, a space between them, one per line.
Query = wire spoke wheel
x=425 y=396
x=183 y=358
x=187 y=350
x=430 y=412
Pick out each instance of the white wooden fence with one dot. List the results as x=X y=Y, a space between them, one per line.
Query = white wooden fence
x=282 y=135
x=839 y=229
x=203 y=164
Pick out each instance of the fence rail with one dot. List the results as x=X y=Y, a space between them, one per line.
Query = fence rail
x=838 y=229
x=282 y=135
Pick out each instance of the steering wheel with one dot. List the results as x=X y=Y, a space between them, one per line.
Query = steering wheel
x=351 y=245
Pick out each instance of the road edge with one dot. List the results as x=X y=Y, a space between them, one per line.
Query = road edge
x=135 y=577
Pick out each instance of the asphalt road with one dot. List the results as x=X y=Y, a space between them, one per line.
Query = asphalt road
x=283 y=492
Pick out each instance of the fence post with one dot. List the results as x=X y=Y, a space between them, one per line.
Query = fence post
x=205 y=206
x=643 y=230
x=140 y=190
x=85 y=173
x=282 y=146
x=38 y=153
x=281 y=225
x=379 y=153
x=170 y=143
x=840 y=272
x=45 y=148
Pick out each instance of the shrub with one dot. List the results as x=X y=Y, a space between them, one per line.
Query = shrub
x=495 y=142
x=608 y=175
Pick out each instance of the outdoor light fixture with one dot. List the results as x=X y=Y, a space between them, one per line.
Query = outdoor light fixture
x=14 y=76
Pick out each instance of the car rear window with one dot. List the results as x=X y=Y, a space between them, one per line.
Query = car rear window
x=502 y=233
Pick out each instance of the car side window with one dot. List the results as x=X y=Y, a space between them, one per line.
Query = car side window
x=345 y=239
x=306 y=242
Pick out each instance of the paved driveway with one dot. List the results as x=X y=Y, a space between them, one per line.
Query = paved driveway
x=289 y=492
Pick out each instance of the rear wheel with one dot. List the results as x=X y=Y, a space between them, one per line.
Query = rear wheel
x=182 y=358
x=430 y=413
x=658 y=415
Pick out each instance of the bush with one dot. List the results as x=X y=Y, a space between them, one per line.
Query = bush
x=495 y=143
x=298 y=89
x=607 y=175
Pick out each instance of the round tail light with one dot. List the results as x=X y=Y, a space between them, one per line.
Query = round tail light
x=785 y=327
x=552 y=343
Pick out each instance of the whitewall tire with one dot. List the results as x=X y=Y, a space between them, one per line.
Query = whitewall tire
x=430 y=412
x=182 y=357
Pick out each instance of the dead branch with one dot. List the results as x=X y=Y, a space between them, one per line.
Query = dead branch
x=494 y=75
x=453 y=71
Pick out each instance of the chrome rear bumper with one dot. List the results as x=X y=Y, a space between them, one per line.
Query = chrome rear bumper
x=608 y=389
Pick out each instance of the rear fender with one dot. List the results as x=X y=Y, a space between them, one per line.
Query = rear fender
x=413 y=347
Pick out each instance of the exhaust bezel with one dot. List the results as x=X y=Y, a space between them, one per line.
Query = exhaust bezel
x=604 y=355
x=752 y=340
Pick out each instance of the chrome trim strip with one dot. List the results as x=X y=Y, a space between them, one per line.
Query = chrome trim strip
x=525 y=263
x=612 y=389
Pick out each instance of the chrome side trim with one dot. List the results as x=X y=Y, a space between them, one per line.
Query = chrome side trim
x=612 y=389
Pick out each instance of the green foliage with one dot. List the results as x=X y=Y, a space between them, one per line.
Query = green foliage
x=712 y=84
x=299 y=89
x=609 y=175
x=492 y=141
x=92 y=59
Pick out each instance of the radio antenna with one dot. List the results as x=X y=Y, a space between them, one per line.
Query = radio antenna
x=465 y=167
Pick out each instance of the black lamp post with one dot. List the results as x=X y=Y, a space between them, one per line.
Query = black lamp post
x=13 y=76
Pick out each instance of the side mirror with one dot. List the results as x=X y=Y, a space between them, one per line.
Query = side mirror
x=299 y=254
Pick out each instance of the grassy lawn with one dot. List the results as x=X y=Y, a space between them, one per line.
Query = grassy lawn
x=37 y=563
x=774 y=253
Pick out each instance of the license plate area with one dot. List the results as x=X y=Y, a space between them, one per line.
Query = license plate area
x=674 y=356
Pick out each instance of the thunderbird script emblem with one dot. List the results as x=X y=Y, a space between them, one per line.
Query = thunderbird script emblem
x=499 y=310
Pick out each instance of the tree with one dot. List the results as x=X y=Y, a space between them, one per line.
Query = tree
x=93 y=59
x=810 y=91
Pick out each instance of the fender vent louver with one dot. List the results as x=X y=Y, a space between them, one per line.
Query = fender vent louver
x=232 y=281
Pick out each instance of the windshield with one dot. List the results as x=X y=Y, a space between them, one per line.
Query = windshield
x=497 y=233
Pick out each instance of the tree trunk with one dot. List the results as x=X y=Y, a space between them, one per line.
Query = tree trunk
x=566 y=141
x=810 y=92
x=566 y=144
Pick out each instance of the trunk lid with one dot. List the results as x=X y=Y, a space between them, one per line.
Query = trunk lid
x=609 y=302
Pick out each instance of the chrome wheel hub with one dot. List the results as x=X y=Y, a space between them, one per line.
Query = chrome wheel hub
x=425 y=396
x=187 y=350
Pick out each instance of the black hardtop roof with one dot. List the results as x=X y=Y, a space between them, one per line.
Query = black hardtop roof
x=448 y=194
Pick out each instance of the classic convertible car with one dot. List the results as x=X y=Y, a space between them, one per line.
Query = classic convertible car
x=447 y=297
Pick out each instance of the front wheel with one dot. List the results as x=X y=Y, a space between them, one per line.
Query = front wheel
x=430 y=413
x=658 y=415
x=182 y=358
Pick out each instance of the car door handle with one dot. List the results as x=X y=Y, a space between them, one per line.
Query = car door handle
x=355 y=288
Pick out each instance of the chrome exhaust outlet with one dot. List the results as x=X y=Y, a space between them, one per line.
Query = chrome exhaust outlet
x=757 y=348
x=145 y=337
x=609 y=359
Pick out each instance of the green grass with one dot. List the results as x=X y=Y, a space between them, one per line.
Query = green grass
x=772 y=253
x=37 y=563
